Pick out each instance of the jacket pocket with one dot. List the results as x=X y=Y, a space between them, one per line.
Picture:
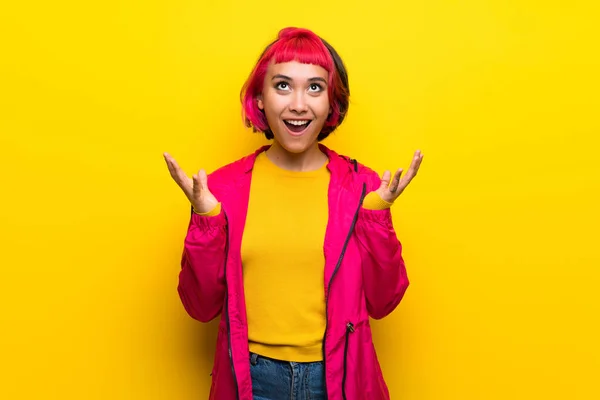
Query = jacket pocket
x=349 y=331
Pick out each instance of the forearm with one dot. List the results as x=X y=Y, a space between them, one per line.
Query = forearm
x=384 y=274
x=202 y=276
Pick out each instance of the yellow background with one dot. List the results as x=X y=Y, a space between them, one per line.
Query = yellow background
x=500 y=228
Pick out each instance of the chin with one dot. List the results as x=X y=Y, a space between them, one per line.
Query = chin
x=296 y=147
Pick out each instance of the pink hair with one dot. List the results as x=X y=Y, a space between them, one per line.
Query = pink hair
x=304 y=46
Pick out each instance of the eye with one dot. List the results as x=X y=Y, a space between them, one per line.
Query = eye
x=282 y=86
x=315 y=87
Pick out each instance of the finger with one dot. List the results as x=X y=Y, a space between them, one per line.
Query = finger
x=203 y=179
x=170 y=163
x=412 y=170
x=196 y=186
x=396 y=181
x=178 y=175
x=176 y=172
x=170 y=160
x=385 y=179
x=415 y=164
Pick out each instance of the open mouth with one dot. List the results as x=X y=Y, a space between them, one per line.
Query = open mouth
x=297 y=126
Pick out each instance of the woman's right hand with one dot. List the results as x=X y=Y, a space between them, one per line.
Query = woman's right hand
x=195 y=188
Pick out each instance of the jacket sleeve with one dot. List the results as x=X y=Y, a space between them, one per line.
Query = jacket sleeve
x=202 y=276
x=384 y=273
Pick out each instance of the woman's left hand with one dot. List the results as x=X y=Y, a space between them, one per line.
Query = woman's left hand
x=390 y=192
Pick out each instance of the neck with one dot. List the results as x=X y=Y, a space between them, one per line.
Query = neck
x=309 y=160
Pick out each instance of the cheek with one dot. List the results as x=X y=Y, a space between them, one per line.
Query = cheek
x=323 y=107
x=273 y=104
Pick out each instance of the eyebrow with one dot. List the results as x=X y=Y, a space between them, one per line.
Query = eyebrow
x=287 y=78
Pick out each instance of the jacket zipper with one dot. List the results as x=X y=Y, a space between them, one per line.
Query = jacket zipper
x=337 y=266
x=237 y=394
x=349 y=330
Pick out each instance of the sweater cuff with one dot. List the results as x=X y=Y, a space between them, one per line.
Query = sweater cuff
x=207 y=221
x=374 y=202
x=215 y=211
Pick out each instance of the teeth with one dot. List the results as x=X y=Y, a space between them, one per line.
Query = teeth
x=297 y=123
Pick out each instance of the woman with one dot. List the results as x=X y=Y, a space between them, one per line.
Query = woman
x=293 y=245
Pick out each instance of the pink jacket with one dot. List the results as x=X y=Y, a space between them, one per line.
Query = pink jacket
x=364 y=276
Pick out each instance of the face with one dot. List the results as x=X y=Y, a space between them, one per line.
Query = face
x=296 y=103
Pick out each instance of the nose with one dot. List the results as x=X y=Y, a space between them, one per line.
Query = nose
x=298 y=102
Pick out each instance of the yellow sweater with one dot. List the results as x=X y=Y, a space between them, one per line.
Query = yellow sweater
x=283 y=260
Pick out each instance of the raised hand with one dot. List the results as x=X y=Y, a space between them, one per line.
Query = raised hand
x=195 y=188
x=390 y=191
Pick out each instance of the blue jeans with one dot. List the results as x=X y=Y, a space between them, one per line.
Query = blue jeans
x=284 y=380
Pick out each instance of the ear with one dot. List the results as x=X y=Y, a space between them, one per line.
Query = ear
x=259 y=102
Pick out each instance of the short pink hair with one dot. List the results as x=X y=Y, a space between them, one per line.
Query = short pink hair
x=304 y=46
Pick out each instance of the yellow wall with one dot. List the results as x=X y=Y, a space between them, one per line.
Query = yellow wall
x=500 y=228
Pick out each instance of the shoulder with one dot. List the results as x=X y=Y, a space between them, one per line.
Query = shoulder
x=361 y=172
x=370 y=177
x=228 y=171
x=228 y=174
